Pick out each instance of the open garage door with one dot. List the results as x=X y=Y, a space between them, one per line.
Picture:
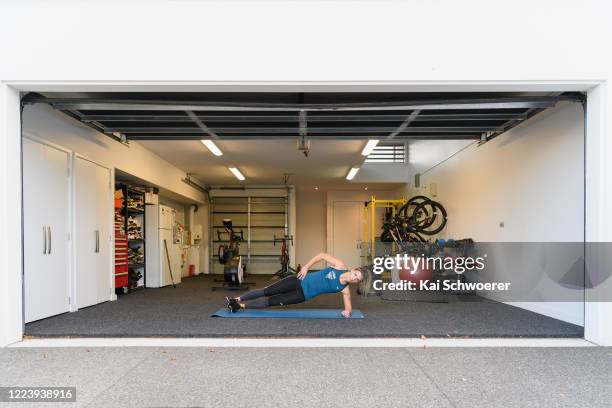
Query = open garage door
x=219 y=194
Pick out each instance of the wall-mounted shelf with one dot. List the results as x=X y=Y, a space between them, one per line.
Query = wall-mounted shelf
x=136 y=265
x=261 y=219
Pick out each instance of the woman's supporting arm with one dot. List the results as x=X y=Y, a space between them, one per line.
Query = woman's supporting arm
x=348 y=307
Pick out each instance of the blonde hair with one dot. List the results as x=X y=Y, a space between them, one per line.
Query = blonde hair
x=362 y=274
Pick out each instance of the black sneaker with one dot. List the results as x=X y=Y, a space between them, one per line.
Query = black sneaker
x=230 y=304
x=234 y=306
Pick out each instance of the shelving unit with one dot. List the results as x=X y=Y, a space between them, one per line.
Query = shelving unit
x=121 y=245
x=261 y=218
x=134 y=226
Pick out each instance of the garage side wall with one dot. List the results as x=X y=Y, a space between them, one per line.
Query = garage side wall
x=530 y=178
x=526 y=185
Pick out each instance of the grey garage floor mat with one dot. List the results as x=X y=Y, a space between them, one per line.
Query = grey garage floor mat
x=414 y=296
x=185 y=312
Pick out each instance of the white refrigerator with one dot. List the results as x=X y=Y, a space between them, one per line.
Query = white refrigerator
x=159 y=226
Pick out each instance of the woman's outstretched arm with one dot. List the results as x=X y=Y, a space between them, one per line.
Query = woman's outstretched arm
x=333 y=261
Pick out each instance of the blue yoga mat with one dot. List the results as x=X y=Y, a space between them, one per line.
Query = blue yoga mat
x=289 y=313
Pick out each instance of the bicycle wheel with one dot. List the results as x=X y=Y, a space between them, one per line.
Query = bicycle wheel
x=421 y=216
x=405 y=211
x=437 y=219
x=408 y=218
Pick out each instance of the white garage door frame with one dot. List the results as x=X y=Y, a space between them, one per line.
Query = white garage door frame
x=598 y=178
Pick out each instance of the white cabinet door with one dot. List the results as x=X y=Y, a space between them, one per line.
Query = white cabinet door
x=92 y=221
x=46 y=244
x=85 y=233
x=34 y=230
x=347 y=230
x=104 y=214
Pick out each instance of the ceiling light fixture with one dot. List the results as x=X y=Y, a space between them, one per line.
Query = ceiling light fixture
x=352 y=172
x=236 y=173
x=210 y=145
x=369 y=147
x=316 y=187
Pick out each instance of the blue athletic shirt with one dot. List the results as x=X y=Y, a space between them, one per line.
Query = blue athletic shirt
x=324 y=281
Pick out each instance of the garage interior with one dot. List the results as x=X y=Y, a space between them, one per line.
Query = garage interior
x=507 y=167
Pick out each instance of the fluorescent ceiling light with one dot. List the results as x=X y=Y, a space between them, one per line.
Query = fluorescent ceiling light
x=369 y=147
x=236 y=173
x=352 y=172
x=212 y=147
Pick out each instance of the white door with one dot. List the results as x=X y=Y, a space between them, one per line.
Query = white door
x=347 y=231
x=86 y=235
x=92 y=219
x=45 y=219
x=104 y=217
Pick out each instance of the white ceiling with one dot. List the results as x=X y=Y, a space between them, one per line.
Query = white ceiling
x=264 y=162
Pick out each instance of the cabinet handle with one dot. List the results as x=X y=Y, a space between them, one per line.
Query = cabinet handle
x=44 y=240
x=97 y=241
x=49 y=230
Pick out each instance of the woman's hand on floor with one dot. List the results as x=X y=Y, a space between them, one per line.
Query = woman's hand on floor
x=302 y=272
x=346 y=313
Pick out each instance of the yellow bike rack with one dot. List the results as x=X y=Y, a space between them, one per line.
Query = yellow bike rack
x=371 y=206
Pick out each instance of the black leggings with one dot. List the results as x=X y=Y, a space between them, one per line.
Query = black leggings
x=287 y=291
